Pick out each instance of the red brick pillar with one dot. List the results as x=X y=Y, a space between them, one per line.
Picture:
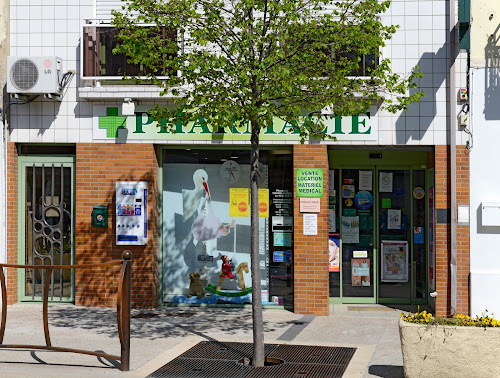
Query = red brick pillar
x=311 y=251
x=463 y=234
x=12 y=218
x=98 y=167
x=443 y=232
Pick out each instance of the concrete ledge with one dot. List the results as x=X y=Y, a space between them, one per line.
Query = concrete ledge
x=449 y=351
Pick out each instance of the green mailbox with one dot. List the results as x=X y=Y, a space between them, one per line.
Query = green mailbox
x=100 y=216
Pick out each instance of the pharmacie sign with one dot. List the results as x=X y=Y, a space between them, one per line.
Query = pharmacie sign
x=108 y=123
x=309 y=182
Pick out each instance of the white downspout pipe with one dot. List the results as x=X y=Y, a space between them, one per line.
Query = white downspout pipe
x=452 y=95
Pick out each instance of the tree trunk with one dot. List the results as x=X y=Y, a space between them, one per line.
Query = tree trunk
x=257 y=318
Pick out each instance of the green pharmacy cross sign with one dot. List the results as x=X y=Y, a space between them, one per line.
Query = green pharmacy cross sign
x=112 y=122
x=309 y=182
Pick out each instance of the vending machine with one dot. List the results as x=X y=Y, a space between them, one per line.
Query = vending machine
x=131 y=213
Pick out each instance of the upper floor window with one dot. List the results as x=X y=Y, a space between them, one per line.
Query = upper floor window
x=99 y=61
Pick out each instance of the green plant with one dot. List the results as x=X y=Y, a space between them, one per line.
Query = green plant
x=425 y=317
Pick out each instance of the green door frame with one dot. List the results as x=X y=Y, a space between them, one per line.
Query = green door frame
x=25 y=161
x=397 y=160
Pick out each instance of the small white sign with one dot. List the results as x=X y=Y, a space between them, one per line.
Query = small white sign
x=359 y=254
x=385 y=182
x=463 y=215
x=310 y=224
x=365 y=180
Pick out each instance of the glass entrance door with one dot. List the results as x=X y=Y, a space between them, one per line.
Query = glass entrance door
x=46 y=209
x=357 y=235
x=379 y=219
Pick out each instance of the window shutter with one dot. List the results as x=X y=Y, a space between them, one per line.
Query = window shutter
x=104 y=7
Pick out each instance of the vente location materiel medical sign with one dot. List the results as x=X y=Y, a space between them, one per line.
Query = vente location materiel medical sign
x=108 y=123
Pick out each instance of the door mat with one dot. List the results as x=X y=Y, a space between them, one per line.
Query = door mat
x=211 y=359
x=369 y=308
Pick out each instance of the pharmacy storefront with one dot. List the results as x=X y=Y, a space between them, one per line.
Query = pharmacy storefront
x=343 y=221
x=379 y=204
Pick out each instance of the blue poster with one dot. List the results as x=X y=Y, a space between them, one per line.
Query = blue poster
x=363 y=200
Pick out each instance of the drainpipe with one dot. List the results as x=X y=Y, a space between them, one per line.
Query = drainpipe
x=453 y=154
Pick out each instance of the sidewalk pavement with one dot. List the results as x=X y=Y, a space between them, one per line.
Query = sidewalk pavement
x=161 y=334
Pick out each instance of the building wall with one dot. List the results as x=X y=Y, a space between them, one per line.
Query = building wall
x=484 y=184
x=49 y=29
x=311 y=251
x=485 y=33
x=98 y=167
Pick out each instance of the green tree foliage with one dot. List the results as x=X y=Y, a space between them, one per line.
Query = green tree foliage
x=228 y=62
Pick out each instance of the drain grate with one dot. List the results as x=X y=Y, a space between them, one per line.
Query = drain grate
x=220 y=359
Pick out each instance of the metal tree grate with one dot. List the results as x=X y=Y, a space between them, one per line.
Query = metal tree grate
x=216 y=359
x=201 y=368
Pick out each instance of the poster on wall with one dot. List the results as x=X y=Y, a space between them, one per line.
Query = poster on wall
x=238 y=202
x=264 y=203
x=360 y=272
x=334 y=253
x=350 y=230
x=394 y=261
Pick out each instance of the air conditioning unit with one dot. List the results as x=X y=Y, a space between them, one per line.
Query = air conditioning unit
x=34 y=75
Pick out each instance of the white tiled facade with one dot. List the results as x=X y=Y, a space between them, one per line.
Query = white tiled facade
x=53 y=28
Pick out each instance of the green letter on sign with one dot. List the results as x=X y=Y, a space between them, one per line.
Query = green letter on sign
x=309 y=182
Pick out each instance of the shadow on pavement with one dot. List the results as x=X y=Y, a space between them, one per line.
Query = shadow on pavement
x=160 y=322
x=386 y=371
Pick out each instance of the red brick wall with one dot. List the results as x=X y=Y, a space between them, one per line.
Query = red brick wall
x=443 y=234
x=463 y=234
x=12 y=227
x=98 y=167
x=311 y=252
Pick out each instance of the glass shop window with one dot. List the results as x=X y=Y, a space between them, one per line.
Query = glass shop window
x=206 y=227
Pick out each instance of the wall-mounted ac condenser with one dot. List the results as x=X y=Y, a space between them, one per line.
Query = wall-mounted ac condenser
x=34 y=75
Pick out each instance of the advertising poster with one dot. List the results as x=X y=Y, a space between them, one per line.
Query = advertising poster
x=332 y=227
x=350 y=230
x=394 y=219
x=360 y=269
x=263 y=203
x=334 y=253
x=394 y=261
x=282 y=239
x=238 y=202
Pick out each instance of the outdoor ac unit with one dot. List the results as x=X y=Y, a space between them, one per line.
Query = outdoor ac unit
x=34 y=75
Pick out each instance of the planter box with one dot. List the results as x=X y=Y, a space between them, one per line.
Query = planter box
x=449 y=351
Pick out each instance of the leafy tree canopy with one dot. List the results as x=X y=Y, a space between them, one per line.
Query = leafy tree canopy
x=253 y=60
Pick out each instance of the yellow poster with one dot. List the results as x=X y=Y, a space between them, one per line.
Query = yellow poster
x=264 y=203
x=238 y=202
